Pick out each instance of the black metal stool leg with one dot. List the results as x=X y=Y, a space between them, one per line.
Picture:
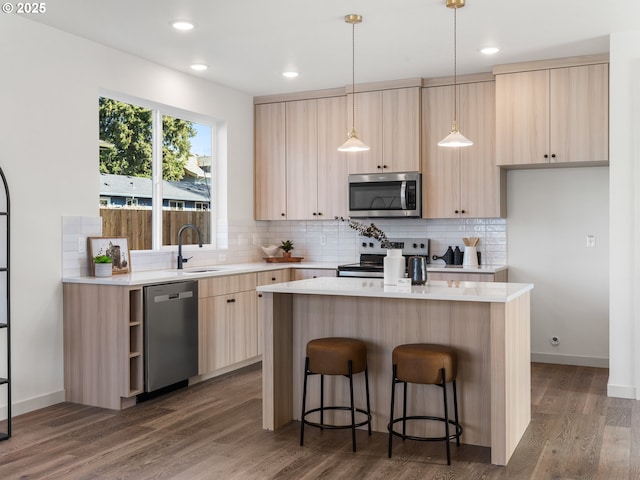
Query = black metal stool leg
x=393 y=399
x=304 y=399
x=446 y=415
x=404 y=410
x=321 y=401
x=353 y=406
x=455 y=410
x=366 y=385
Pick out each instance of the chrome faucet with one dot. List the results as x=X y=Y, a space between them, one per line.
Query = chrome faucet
x=182 y=229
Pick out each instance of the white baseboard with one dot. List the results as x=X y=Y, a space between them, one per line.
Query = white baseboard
x=621 y=391
x=31 y=404
x=580 y=361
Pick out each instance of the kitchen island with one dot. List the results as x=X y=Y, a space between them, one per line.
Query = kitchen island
x=487 y=323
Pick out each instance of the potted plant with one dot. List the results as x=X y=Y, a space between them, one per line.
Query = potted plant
x=286 y=247
x=102 y=265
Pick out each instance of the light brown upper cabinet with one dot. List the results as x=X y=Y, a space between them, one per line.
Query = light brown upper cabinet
x=316 y=170
x=553 y=116
x=270 y=162
x=461 y=182
x=388 y=121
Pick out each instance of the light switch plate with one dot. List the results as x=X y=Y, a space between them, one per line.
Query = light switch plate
x=591 y=241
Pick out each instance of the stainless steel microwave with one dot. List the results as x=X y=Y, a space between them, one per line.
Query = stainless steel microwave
x=385 y=195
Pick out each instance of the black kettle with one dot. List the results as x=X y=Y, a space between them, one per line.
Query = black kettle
x=417 y=269
x=447 y=257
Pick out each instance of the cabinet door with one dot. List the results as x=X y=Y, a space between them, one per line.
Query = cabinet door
x=401 y=129
x=302 y=159
x=482 y=183
x=303 y=273
x=333 y=167
x=579 y=110
x=270 y=162
x=440 y=165
x=522 y=118
x=274 y=276
x=368 y=125
x=228 y=330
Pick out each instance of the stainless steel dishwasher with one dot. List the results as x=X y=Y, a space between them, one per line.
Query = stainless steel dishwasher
x=170 y=334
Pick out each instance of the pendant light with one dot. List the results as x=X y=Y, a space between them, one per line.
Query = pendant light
x=455 y=138
x=353 y=143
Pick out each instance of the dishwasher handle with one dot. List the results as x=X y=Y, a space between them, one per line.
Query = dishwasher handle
x=172 y=296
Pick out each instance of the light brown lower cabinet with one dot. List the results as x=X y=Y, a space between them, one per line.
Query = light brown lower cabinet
x=303 y=273
x=103 y=345
x=228 y=330
x=227 y=321
x=501 y=276
x=266 y=278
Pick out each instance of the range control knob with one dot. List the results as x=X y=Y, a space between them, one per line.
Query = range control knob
x=422 y=245
x=415 y=245
x=371 y=244
x=364 y=244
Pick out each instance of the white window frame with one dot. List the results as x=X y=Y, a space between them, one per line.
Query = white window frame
x=158 y=111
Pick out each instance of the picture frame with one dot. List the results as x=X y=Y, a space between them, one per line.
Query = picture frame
x=115 y=247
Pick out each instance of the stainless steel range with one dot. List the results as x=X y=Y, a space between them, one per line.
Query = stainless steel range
x=372 y=256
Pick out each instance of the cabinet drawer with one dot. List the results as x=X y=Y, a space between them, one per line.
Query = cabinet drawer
x=274 y=276
x=209 y=287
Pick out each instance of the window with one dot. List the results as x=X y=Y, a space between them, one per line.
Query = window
x=142 y=145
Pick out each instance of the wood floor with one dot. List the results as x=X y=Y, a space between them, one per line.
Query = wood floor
x=213 y=431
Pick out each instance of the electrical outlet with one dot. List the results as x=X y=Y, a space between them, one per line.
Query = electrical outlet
x=555 y=341
x=82 y=245
x=591 y=241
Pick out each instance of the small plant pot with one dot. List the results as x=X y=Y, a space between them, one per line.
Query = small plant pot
x=103 y=269
x=286 y=254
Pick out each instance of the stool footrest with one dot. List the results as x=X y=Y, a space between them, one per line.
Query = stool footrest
x=332 y=426
x=453 y=436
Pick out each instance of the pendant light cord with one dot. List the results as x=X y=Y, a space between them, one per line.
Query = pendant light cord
x=455 y=68
x=353 y=76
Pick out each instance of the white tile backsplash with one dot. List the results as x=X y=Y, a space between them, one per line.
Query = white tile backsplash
x=316 y=241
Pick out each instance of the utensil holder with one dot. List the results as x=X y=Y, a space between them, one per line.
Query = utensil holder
x=470 y=257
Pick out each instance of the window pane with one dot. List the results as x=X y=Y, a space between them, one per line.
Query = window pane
x=126 y=187
x=186 y=169
x=125 y=172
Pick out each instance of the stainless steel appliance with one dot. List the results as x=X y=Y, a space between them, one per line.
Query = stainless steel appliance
x=385 y=195
x=170 y=334
x=372 y=256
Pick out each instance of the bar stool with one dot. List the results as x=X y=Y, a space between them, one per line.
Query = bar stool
x=425 y=364
x=335 y=356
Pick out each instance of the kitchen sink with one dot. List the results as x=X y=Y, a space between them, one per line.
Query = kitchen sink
x=202 y=270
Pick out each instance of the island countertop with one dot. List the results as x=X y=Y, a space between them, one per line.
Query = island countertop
x=492 y=292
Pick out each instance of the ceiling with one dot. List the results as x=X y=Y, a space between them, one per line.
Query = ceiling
x=249 y=43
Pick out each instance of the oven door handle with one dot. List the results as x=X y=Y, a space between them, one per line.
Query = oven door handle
x=403 y=195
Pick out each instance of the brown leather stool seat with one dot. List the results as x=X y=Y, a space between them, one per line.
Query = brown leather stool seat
x=336 y=356
x=426 y=364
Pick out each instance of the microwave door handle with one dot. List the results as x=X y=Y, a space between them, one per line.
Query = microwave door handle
x=403 y=195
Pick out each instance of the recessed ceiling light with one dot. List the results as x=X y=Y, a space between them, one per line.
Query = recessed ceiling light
x=182 y=25
x=290 y=74
x=199 y=67
x=489 y=50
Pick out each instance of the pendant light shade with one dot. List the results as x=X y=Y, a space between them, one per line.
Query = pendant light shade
x=455 y=138
x=353 y=143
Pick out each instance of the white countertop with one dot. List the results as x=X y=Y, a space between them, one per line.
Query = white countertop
x=191 y=273
x=490 y=292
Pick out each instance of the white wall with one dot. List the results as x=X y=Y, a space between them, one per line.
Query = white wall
x=624 y=310
x=48 y=132
x=551 y=212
